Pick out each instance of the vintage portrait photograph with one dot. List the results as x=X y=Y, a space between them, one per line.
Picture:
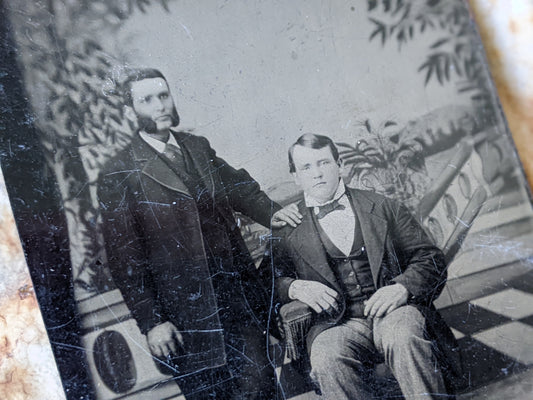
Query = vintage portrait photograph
x=235 y=199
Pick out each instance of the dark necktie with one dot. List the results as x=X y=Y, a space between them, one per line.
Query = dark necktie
x=174 y=154
x=327 y=208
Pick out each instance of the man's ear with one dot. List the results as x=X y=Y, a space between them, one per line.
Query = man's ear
x=343 y=170
x=296 y=179
x=340 y=163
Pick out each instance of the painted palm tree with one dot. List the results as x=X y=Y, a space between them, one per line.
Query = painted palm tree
x=385 y=163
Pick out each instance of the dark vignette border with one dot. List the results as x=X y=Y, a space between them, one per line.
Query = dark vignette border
x=40 y=219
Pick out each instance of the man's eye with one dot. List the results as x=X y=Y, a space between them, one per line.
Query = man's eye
x=164 y=96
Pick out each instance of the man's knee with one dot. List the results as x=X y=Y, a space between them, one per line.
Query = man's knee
x=402 y=328
x=327 y=351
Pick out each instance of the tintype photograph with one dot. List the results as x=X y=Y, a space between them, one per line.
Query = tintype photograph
x=267 y=200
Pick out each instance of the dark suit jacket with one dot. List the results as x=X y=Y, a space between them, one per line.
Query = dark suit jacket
x=156 y=250
x=398 y=251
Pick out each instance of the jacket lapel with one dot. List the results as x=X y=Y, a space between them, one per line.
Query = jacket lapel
x=307 y=244
x=374 y=229
x=199 y=158
x=156 y=167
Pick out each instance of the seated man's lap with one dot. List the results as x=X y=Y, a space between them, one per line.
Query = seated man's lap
x=365 y=340
x=348 y=342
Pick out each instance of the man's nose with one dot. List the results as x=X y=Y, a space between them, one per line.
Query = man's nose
x=158 y=104
x=317 y=172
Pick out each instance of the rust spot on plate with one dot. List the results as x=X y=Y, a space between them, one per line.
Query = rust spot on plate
x=9 y=240
x=25 y=291
x=5 y=348
x=26 y=359
x=517 y=108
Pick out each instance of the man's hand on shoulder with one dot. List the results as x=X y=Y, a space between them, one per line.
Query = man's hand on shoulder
x=287 y=215
x=385 y=300
x=316 y=295
x=164 y=339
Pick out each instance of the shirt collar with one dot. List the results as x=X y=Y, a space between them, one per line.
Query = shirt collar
x=158 y=145
x=311 y=202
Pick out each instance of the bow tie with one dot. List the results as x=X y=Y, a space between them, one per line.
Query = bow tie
x=327 y=208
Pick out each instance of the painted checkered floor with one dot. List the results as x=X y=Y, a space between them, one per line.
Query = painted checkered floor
x=495 y=331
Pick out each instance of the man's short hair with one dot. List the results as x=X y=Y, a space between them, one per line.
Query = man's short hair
x=136 y=75
x=312 y=141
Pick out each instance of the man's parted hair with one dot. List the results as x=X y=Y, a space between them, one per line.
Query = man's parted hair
x=138 y=75
x=312 y=141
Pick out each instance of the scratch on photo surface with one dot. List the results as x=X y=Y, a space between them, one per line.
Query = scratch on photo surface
x=462 y=222
x=210 y=315
x=151 y=209
x=241 y=353
x=155 y=203
x=187 y=31
x=62 y=325
x=81 y=189
x=203 y=330
x=70 y=346
x=269 y=320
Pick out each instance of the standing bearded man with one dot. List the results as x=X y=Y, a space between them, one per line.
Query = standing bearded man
x=176 y=253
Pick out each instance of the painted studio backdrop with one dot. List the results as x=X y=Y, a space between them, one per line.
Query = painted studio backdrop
x=401 y=86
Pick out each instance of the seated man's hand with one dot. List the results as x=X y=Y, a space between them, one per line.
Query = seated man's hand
x=315 y=294
x=164 y=339
x=385 y=300
x=287 y=215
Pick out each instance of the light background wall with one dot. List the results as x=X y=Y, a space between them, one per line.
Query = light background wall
x=252 y=76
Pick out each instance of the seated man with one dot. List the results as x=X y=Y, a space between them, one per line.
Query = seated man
x=369 y=272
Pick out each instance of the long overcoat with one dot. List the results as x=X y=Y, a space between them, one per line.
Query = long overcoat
x=158 y=254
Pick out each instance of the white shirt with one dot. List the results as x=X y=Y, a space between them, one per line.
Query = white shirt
x=339 y=225
x=158 y=145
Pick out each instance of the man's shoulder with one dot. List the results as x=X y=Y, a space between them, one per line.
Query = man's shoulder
x=287 y=233
x=120 y=161
x=377 y=199
x=191 y=138
x=117 y=171
x=283 y=233
x=376 y=203
x=366 y=194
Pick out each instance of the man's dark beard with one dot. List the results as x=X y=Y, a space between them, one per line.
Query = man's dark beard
x=149 y=125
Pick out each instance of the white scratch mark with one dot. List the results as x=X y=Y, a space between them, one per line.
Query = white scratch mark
x=187 y=31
